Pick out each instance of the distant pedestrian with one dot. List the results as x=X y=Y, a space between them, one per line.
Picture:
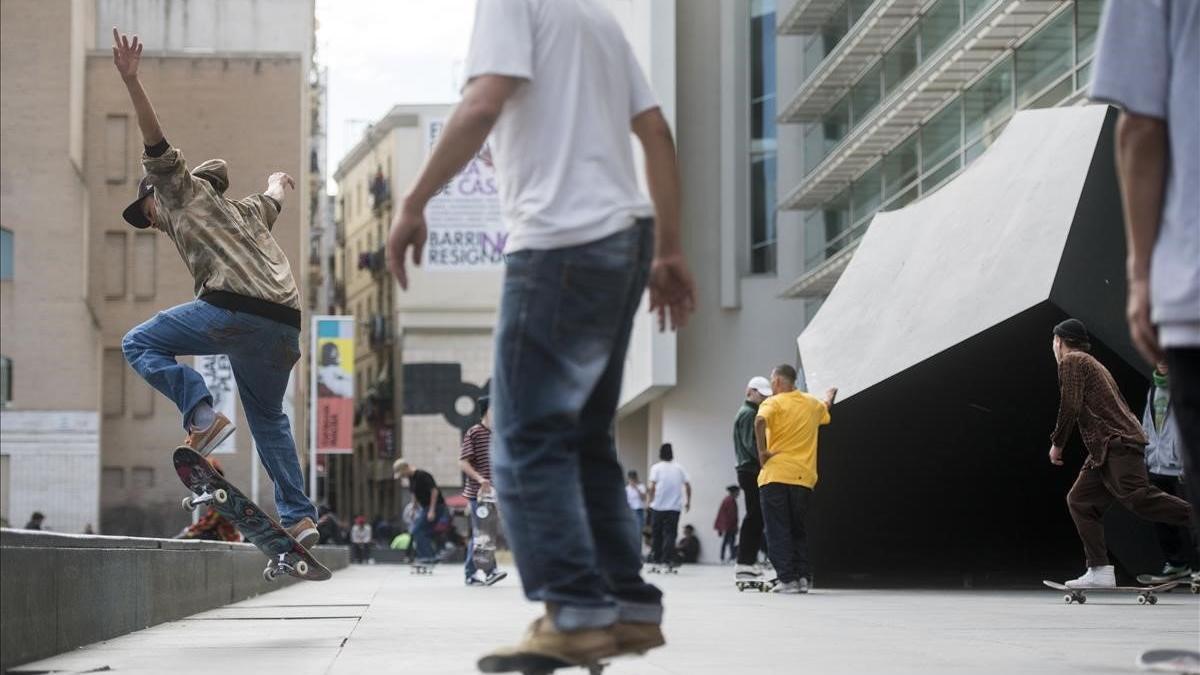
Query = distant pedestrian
x=785 y=432
x=1115 y=469
x=687 y=550
x=1148 y=64
x=360 y=540
x=726 y=524
x=635 y=495
x=670 y=494
x=750 y=539
x=430 y=513
x=1164 y=464
x=35 y=521
x=475 y=460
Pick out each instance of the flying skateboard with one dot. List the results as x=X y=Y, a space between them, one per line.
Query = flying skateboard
x=285 y=555
x=487 y=533
x=1170 y=661
x=1146 y=595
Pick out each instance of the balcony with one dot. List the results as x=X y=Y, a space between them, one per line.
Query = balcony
x=808 y=16
x=863 y=43
x=958 y=62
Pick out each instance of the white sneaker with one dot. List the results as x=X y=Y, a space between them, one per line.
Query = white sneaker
x=789 y=588
x=1095 y=577
x=746 y=573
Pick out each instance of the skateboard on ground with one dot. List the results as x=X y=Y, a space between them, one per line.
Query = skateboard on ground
x=663 y=569
x=1154 y=579
x=1146 y=595
x=534 y=664
x=761 y=585
x=285 y=555
x=487 y=533
x=1170 y=661
x=422 y=568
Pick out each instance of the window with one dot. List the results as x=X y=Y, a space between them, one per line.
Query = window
x=865 y=195
x=114 y=265
x=937 y=25
x=987 y=105
x=940 y=144
x=142 y=477
x=1042 y=60
x=1087 y=23
x=145 y=249
x=116 y=149
x=6 y=381
x=6 y=254
x=900 y=168
x=865 y=95
x=114 y=383
x=112 y=478
x=762 y=136
x=900 y=61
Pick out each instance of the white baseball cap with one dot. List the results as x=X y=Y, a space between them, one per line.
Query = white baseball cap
x=760 y=384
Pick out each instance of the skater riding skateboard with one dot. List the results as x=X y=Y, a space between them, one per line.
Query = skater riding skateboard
x=285 y=554
x=1146 y=595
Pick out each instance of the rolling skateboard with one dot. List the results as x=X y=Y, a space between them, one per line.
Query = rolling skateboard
x=1154 y=579
x=285 y=555
x=761 y=585
x=1170 y=661
x=534 y=664
x=421 y=568
x=1146 y=595
x=663 y=569
x=486 y=535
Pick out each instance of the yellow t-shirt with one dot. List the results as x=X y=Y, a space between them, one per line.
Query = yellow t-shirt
x=793 y=419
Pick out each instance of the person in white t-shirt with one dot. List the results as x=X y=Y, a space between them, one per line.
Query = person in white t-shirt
x=670 y=494
x=559 y=89
x=635 y=495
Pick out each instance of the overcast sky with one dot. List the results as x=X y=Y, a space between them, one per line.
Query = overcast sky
x=383 y=52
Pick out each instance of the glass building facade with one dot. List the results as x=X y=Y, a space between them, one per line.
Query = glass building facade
x=762 y=137
x=1048 y=67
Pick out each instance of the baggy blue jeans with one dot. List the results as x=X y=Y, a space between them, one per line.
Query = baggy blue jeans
x=423 y=531
x=561 y=338
x=261 y=352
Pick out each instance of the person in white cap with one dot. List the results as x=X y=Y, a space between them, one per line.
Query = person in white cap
x=746 y=454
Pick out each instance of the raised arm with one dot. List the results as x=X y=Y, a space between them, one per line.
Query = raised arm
x=672 y=290
x=276 y=183
x=127 y=56
x=465 y=132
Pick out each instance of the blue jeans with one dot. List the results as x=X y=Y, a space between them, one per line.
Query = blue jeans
x=469 y=566
x=422 y=531
x=261 y=352
x=561 y=338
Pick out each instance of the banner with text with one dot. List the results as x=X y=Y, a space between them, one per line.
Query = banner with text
x=218 y=377
x=333 y=363
x=465 y=229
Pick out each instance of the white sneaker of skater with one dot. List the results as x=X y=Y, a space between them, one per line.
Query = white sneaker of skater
x=789 y=588
x=747 y=572
x=1104 y=576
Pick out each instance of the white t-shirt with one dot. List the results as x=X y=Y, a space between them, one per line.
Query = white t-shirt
x=635 y=496
x=561 y=147
x=668 y=479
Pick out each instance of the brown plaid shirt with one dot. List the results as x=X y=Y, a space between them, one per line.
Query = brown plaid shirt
x=1089 y=397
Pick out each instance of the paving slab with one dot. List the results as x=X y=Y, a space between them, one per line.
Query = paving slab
x=380 y=618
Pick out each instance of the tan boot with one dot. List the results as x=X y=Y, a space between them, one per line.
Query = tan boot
x=305 y=532
x=546 y=647
x=204 y=442
x=638 y=638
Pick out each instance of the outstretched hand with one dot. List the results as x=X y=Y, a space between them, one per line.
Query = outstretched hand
x=672 y=291
x=126 y=55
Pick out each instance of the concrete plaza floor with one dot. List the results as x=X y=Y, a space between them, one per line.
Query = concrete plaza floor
x=381 y=619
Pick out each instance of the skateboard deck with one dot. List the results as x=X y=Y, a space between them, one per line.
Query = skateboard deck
x=421 y=568
x=487 y=532
x=533 y=664
x=663 y=569
x=761 y=585
x=285 y=555
x=1146 y=595
x=1154 y=579
x=1170 y=661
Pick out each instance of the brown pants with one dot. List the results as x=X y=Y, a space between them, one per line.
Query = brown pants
x=1121 y=478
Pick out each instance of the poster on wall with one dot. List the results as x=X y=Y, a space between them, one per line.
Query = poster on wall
x=333 y=363
x=218 y=377
x=465 y=230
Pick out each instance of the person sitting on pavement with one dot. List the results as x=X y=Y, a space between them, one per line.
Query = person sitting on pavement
x=1115 y=469
x=1164 y=464
x=35 y=521
x=430 y=512
x=687 y=550
x=360 y=540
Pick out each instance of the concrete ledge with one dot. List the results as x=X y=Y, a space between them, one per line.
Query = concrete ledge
x=62 y=591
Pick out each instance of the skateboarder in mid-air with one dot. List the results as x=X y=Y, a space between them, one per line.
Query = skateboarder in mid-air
x=1115 y=469
x=247 y=305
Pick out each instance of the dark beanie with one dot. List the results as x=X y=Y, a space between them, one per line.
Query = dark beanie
x=1073 y=331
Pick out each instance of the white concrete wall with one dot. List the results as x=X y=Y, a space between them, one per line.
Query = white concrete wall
x=210 y=26
x=54 y=467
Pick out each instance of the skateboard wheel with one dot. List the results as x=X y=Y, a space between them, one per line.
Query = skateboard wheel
x=220 y=496
x=1081 y=599
x=301 y=568
x=1153 y=599
x=1068 y=599
x=1142 y=600
x=187 y=504
x=268 y=574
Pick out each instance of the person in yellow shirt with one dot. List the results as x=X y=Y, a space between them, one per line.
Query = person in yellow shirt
x=785 y=431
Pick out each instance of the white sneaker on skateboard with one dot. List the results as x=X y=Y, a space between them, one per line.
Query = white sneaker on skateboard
x=1104 y=576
